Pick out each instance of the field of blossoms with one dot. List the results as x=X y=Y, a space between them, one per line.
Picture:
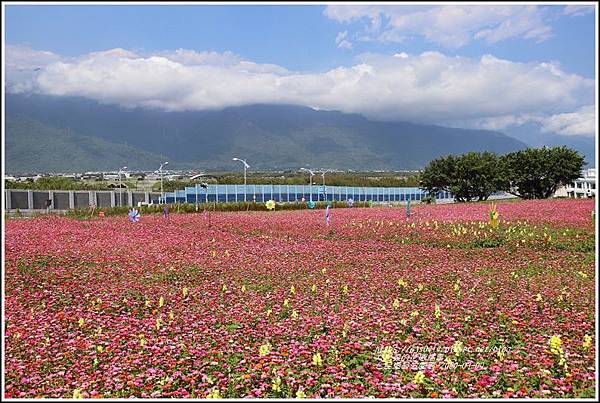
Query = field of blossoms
x=277 y=304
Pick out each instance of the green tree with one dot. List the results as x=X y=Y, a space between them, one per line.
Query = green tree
x=468 y=177
x=536 y=173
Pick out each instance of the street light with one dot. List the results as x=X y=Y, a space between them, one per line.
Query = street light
x=162 y=194
x=311 y=176
x=246 y=166
x=121 y=187
x=323 y=176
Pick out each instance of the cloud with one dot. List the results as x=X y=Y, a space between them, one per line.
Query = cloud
x=342 y=42
x=581 y=122
x=428 y=87
x=578 y=11
x=451 y=26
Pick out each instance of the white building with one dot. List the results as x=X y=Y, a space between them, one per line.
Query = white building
x=580 y=188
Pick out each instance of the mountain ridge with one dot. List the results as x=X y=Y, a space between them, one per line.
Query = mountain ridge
x=268 y=136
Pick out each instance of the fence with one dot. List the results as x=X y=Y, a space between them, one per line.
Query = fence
x=292 y=193
x=70 y=199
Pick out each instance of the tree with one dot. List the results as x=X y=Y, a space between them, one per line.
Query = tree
x=469 y=176
x=536 y=173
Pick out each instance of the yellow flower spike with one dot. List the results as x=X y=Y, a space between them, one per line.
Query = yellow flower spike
x=171 y=316
x=158 y=323
x=100 y=349
x=345 y=289
x=270 y=204
x=420 y=287
x=387 y=355
x=323 y=270
x=556 y=345
x=81 y=322
x=458 y=348
x=243 y=288
x=419 y=378
x=286 y=302
x=402 y=283
x=293 y=289
x=214 y=394
x=161 y=302
x=186 y=292
x=317 y=360
x=224 y=288
x=77 y=394
x=314 y=288
x=414 y=314
x=214 y=253
x=264 y=349
x=142 y=341
x=276 y=386
x=438 y=312
x=147 y=303
x=396 y=304
x=294 y=314
x=587 y=341
x=538 y=297
x=269 y=312
x=404 y=322
x=300 y=394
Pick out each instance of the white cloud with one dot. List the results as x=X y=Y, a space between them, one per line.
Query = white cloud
x=430 y=87
x=581 y=122
x=342 y=42
x=577 y=11
x=451 y=26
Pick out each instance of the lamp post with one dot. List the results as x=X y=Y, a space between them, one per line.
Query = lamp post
x=121 y=187
x=246 y=166
x=311 y=176
x=323 y=176
x=162 y=194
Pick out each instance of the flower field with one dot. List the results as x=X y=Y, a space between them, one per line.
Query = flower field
x=277 y=304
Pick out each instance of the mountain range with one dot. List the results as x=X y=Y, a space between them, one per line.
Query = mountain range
x=68 y=134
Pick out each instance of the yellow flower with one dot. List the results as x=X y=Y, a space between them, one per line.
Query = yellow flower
x=243 y=288
x=404 y=322
x=457 y=347
x=286 y=302
x=264 y=349
x=224 y=288
x=419 y=378
x=414 y=314
x=345 y=289
x=538 y=297
x=147 y=303
x=81 y=322
x=402 y=283
x=269 y=312
x=387 y=355
x=270 y=204
x=314 y=288
x=294 y=314
x=77 y=394
x=276 y=386
x=420 y=287
x=100 y=349
x=587 y=341
x=214 y=253
x=142 y=340
x=323 y=270
x=185 y=292
x=556 y=345
x=500 y=354
x=300 y=394
x=457 y=286
x=438 y=312
x=293 y=289
x=158 y=323
x=171 y=315
x=316 y=359
x=396 y=304
x=214 y=395
x=161 y=302
x=582 y=274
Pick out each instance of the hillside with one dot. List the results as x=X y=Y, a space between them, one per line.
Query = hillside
x=32 y=146
x=268 y=136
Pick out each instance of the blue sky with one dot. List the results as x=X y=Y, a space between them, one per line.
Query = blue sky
x=296 y=37
x=477 y=66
